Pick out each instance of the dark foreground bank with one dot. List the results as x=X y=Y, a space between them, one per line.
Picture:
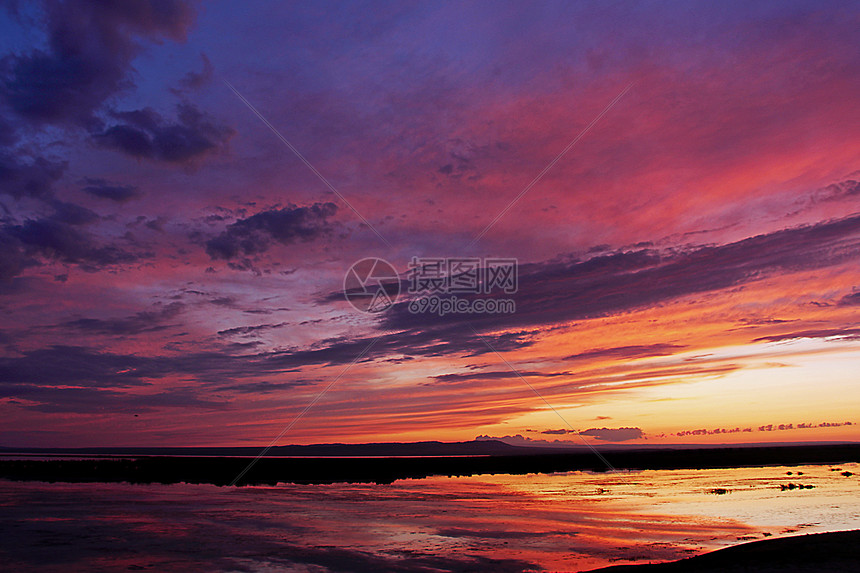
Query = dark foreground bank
x=270 y=471
x=819 y=552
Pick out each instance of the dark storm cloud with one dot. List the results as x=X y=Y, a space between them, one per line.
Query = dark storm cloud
x=76 y=366
x=493 y=375
x=852 y=299
x=28 y=177
x=834 y=192
x=288 y=225
x=557 y=292
x=613 y=434
x=112 y=191
x=630 y=374
x=71 y=214
x=144 y=321
x=416 y=343
x=627 y=352
x=87 y=367
x=90 y=46
x=59 y=365
x=101 y=377
x=144 y=134
x=559 y=432
x=60 y=236
x=79 y=366
x=93 y=400
x=53 y=239
x=251 y=330
x=822 y=333
x=263 y=387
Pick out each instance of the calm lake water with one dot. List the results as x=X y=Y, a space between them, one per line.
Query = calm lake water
x=559 y=522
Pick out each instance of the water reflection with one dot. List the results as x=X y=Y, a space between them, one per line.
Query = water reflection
x=565 y=522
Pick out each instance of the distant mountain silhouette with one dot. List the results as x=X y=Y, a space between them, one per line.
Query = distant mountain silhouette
x=481 y=447
x=381 y=449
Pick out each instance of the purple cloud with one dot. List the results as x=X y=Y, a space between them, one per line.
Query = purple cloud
x=613 y=434
x=255 y=234
x=144 y=134
x=88 y=58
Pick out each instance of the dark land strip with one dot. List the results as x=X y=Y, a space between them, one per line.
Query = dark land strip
x=316 y=470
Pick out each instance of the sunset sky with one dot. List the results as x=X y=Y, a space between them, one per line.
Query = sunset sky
x=171 y=272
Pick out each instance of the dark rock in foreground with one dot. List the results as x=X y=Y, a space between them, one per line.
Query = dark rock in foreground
x=832 y=552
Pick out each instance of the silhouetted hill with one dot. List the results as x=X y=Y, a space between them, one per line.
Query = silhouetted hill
x=382 y=449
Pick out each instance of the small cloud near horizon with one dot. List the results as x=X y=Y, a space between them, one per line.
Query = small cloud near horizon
x=603 y=434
